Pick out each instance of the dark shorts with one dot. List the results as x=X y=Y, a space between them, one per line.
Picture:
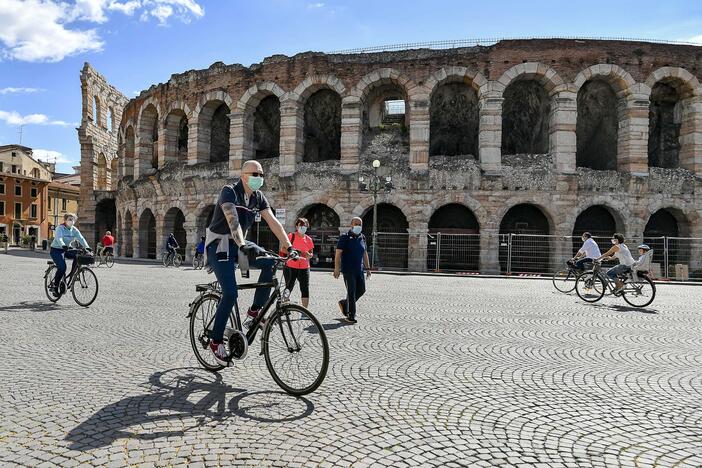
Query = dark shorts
x=300 y=274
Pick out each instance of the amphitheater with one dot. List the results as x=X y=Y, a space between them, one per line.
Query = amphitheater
x=498 y=154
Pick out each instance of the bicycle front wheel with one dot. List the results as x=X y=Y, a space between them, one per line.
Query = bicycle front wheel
x=164 y=259
x=177 y=260
x=639 y=293
x=110 y=261
x=85 y=287
x=296 y=349
x=201 y=323
x=564 y=281
x=590 y=287
x=48 y=280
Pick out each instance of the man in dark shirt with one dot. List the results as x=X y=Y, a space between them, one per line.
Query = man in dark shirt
x=234 y=213
x=171 y=246
x=352 y=260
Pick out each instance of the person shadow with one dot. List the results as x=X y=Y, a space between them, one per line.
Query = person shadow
x=180 y=395
x=34 y=306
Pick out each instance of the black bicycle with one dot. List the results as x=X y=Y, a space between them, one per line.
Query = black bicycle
x=169 y=258
x=638 y=290
x=198 y=261
x=82 y=282
x=564 y=280
x=294 y=342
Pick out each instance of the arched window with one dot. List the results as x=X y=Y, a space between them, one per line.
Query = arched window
x=454 y=120
x=322 y=126
x=597 y=126
x=525 y=114
x=266 y=128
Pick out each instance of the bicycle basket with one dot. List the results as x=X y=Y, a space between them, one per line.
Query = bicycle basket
x=85 y=259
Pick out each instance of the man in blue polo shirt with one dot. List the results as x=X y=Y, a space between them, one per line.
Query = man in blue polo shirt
x=352 y=260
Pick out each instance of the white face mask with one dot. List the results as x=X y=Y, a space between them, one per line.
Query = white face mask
x=69 y=223
x=615 y=241
x=302 y=230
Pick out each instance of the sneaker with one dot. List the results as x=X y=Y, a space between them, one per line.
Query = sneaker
x=351 y=320
x=342 y=308
x=253 y=313
x=220 y=352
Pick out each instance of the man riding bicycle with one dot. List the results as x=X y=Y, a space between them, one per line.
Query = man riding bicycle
x=108 y=243
x=234 y=213
x=171 y=246
x=200 y=248
x=65 y=234
x=587 y=253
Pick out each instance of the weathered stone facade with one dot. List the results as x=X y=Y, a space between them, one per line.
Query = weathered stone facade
x=331 y=127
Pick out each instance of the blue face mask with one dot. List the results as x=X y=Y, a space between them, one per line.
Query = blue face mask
x=357 y=229
x=302 y=230
x=255 y=183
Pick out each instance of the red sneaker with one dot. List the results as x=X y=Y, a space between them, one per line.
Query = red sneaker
x=253 y=313
x=220 y=351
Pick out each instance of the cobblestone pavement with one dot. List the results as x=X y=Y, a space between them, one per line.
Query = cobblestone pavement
x=438 y=371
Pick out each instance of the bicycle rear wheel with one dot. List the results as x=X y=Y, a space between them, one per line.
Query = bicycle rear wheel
x=640 y=292
x=296 y=349
x=48 y=281
x=110 y=261
x=177 y=260
x=203 y=315
x=564 y=281
x=85 y=287
x=590 y=287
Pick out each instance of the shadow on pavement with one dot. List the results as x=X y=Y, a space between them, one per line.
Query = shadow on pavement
x=36 y=306
x=188 y=397
x=625 y=308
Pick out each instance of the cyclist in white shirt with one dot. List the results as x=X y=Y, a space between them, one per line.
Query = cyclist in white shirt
x=587 y=253
x=621 y=252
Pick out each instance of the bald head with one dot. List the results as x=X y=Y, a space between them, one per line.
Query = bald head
x=356 y=221
x=251 y=166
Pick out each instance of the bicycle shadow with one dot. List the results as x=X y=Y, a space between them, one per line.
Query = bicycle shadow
x=626 y=308
x=328 y=326
x=34 y=306
x=178 y=395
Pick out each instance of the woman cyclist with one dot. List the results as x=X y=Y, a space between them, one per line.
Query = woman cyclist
x=65 y=234
x=622 y=253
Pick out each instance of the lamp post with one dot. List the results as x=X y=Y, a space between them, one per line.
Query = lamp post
x=375 y=185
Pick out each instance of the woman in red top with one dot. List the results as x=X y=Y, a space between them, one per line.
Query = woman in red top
x=300 y=269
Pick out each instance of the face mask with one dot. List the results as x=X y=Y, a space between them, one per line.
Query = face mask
x=615 y=241
x=357 y=229
x=584 y=239
x=69 y=223
x=255 y=183
x=302 y=230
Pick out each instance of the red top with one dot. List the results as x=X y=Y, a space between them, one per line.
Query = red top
x=302 y=244
x=108 y=241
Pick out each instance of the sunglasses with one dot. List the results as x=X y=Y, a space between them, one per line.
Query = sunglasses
x=256 y=174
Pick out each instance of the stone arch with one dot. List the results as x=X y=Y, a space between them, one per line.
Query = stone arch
x=470 y=203
x=147 y=234
x=529 y=248
x=213 y=126
x=393 y=240
x=597 y=125
x=378 y=86
x=672 y=116
x=260 y=106
x=458 y=248
x=321 y=199
x=176 y=135
x=174 y=221
x=454 y=118
x=620 y=79
x=618 y=210
x=322 y=126
x=148 y=138
x=671 y=223
x=324 y=231
x=314 y=83
x=527 y=89
x=101 y=182
x=129 y=151
x=97 y=111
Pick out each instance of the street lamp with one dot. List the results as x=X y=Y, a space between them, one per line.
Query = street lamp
x=375 y=185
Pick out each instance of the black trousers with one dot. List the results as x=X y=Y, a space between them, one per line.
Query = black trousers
x=355 y=288
x=297 y=274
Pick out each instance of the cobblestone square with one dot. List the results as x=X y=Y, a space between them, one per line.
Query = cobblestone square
x=445 y=371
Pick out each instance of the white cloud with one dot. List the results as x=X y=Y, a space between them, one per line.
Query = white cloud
x=315 y=5
x=53 y=156
x=16 y=119
x=12 y=90
x=44 y=30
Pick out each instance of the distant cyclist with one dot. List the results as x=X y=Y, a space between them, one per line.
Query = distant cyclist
x=234 y=213
x=66 y=233
x=200 y=248
x=108 y=243
x=171 y=246
x=587 y=253
x=622 y=253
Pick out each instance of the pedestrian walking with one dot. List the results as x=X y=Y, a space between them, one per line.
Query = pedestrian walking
x=299 y=270
x=351 y=260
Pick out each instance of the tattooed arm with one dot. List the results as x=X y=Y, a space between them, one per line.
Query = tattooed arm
x=230 y=213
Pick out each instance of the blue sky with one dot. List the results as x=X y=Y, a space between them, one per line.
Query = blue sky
x=135 y=43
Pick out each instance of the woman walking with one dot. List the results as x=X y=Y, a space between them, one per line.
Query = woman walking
x=299 y=270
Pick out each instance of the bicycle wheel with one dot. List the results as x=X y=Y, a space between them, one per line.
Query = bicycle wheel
x=296 y=349
x=640 y=292
x=164 y=259
x=177 y=260
x=110 y=261
x=203 y=314
x=195 y=263
x=48 y=280
x=85 y=287
x=564 y=281
x=590 y=287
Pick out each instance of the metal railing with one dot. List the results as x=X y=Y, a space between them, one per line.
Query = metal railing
x=674 y=258
x=458 y=43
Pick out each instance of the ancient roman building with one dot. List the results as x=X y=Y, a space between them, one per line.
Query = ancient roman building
x=549 y=137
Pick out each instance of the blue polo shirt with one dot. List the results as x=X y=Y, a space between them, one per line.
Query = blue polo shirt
x=246 y=211
x=352 y=249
